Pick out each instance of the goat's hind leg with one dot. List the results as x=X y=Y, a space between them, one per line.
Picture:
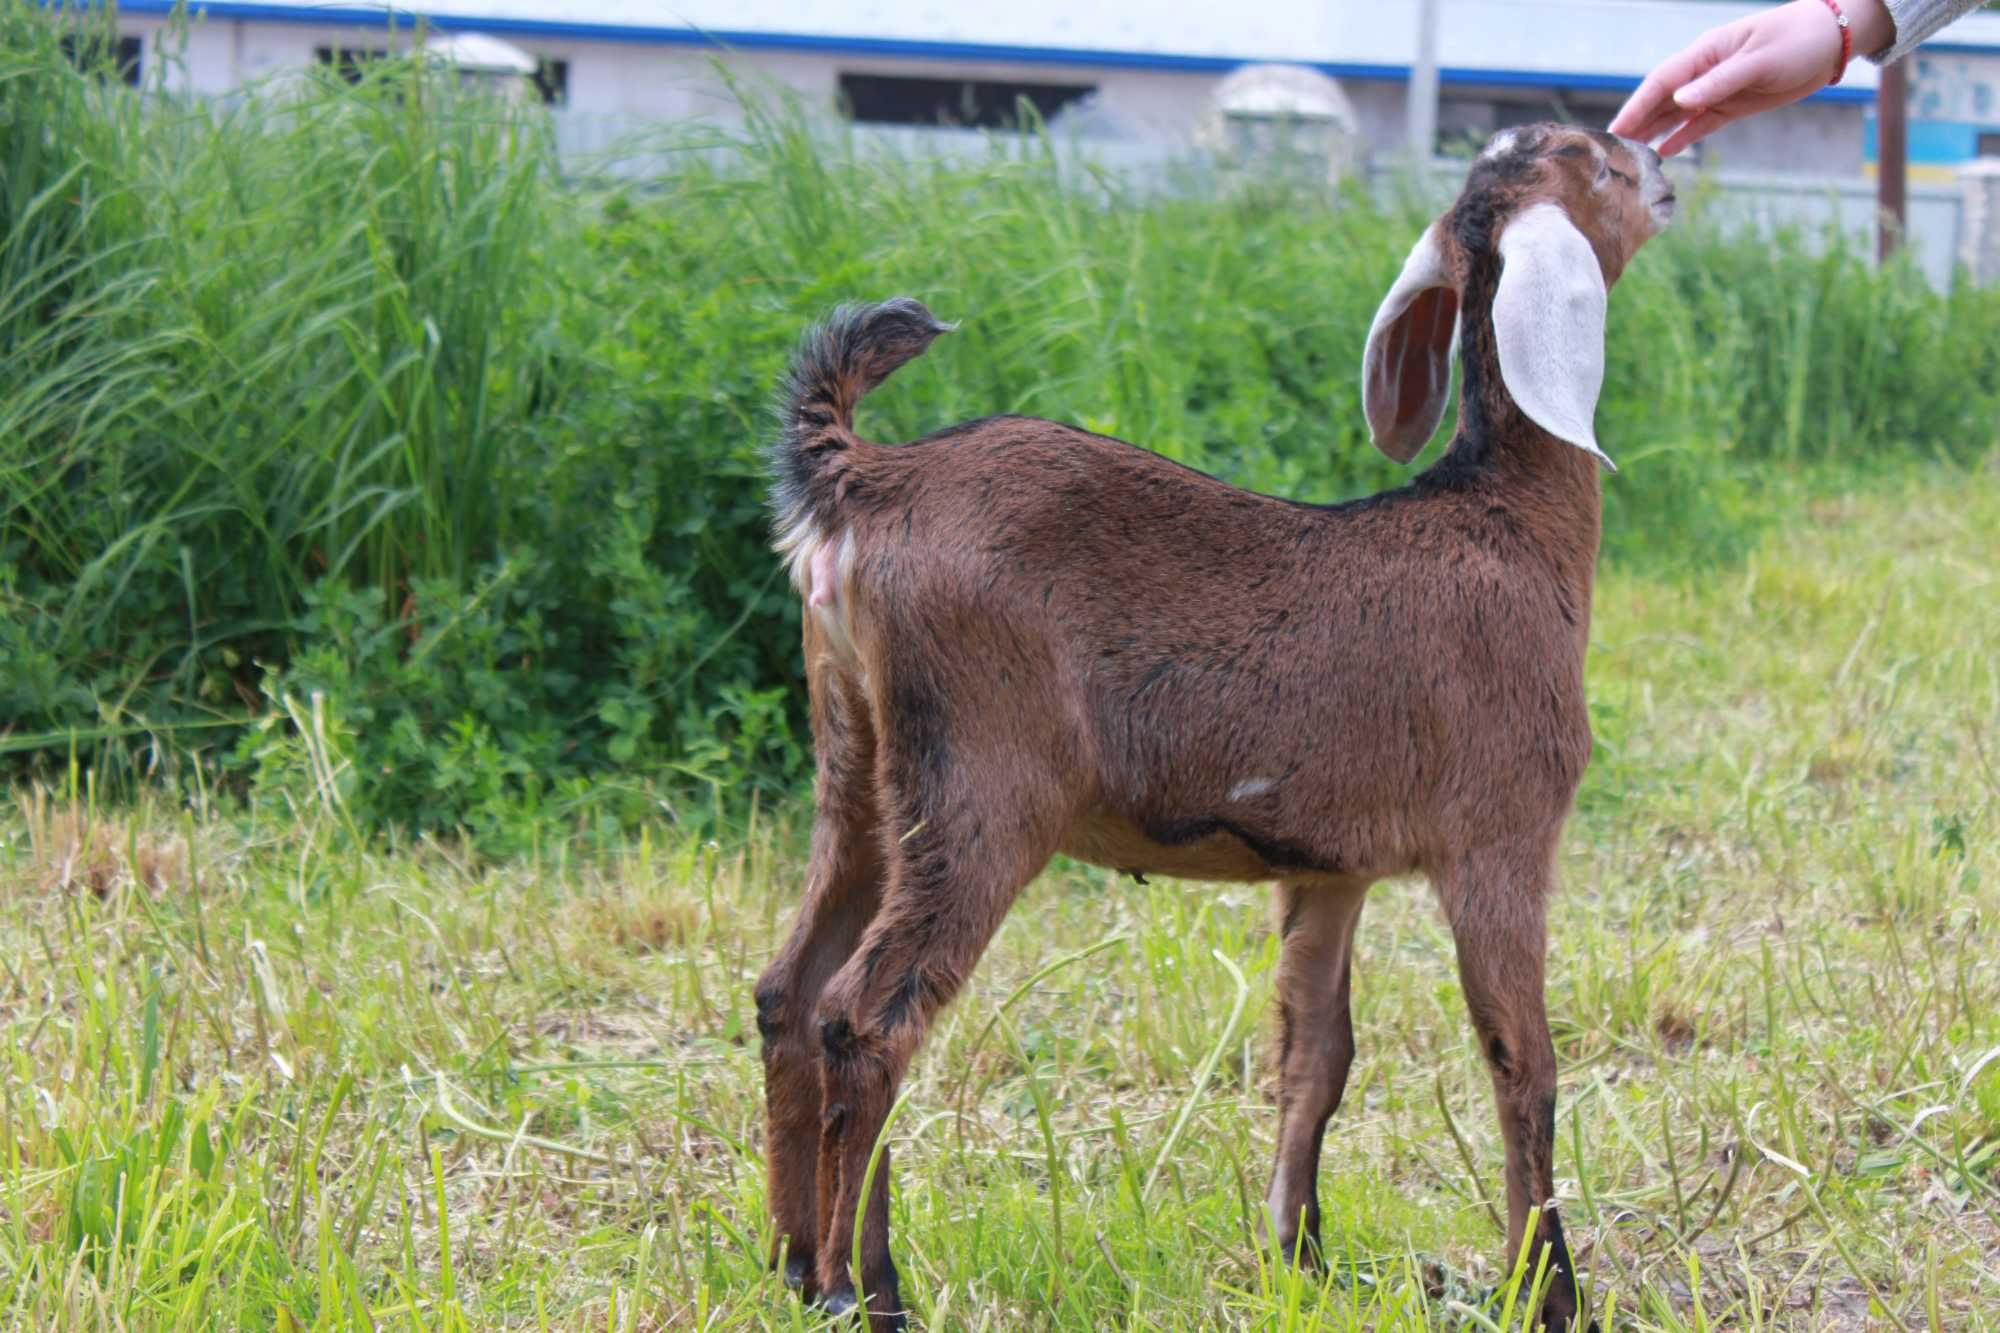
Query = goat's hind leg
x=952 y=877
x=1316 y=922
x=843 y=891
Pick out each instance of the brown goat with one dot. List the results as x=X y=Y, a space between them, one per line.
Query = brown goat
x=1022 y=638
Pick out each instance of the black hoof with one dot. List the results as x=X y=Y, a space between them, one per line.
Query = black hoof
x=1573 y=1321
x=798 y=1271
x=1304 y=1254
x=838 y=1303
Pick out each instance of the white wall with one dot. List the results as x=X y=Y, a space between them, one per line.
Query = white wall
x=216 y=55
x=674 y=82
x=1797 y=140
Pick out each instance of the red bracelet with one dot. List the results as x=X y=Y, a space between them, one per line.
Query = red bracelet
x=1846 y=41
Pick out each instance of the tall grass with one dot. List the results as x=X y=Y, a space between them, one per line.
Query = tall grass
x=347 y=390
x=256 y=346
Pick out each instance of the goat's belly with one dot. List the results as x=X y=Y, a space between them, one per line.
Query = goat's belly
x=1197 y=848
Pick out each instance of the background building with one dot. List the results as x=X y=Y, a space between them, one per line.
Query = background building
x=1118 y=72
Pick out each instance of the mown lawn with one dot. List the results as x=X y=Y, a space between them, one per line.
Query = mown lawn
x=261 y=1074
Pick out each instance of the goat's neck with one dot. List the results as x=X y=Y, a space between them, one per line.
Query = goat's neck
x=1551 y=490
x=1549 y=481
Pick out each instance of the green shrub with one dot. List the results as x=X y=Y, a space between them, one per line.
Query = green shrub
x=344 y=390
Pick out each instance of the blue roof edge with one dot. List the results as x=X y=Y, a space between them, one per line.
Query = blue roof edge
x=897 y=48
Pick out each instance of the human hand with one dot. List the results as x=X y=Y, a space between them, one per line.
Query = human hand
x=1751 y=65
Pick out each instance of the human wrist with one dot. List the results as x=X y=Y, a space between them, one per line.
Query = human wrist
x=1873 y=27
x=1844 y=39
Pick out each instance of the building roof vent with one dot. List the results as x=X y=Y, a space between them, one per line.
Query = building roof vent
x=1285 y=117
x=476 y=53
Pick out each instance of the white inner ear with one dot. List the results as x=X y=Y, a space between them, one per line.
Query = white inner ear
x=1548 y=324
x=1382 y=374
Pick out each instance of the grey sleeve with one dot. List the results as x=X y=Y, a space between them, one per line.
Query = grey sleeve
x=1916 y=21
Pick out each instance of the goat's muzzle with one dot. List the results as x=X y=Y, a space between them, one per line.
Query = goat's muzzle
x=1654 y=188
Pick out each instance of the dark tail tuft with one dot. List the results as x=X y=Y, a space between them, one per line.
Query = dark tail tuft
x=839 y=359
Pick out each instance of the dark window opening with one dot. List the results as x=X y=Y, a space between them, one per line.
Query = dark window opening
x=1509 y=115
x=985 y=104
x=1988 y=145
x=350 y=62
x=117 y=57
x=551 y=79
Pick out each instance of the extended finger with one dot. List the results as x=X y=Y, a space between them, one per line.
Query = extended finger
x=1654 y=97
x=1669 y=117
x=1703 y=125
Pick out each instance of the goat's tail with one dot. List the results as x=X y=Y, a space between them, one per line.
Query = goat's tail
x=838 y=360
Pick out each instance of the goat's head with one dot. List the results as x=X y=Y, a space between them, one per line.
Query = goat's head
x=1548 y=219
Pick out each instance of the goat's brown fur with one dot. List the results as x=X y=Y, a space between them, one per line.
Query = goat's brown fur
x=1024 y=638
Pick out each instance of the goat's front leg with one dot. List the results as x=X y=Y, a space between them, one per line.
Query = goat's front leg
x=1316 y=922
x=1497 y=907
x=843 y=891
x=951 y=880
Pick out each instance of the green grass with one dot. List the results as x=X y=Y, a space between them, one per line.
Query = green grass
x=261 y=1074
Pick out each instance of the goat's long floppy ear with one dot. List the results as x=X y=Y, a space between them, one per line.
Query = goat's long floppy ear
x=1548 y=324
x=1406 y=369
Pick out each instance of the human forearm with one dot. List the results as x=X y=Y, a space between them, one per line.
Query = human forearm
x=1909 y=22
